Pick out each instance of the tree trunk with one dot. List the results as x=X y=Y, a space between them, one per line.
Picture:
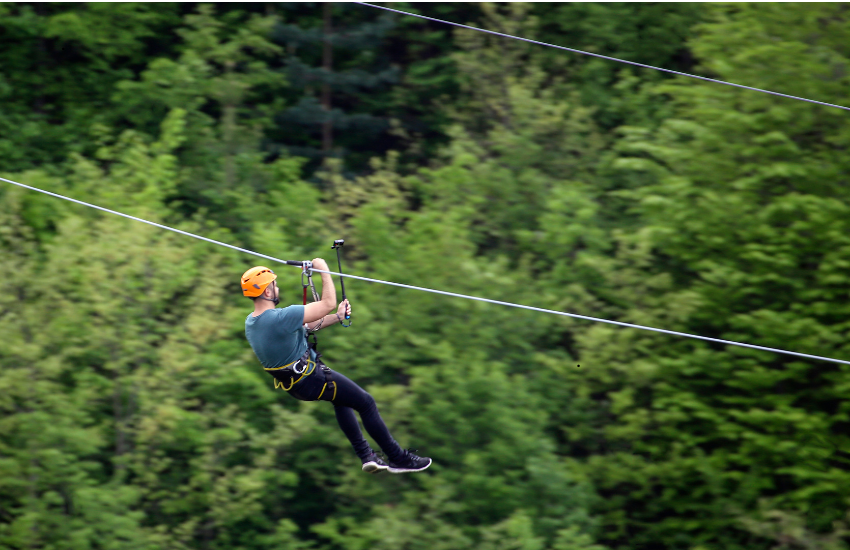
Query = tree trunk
x=327 y=64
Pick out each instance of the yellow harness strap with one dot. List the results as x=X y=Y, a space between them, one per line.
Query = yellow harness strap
x=325 y=387
x=311 y=366
x=279 y=384
x=283 y=367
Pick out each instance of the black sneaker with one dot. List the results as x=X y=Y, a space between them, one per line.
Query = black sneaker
x=409 y=463
x=373 y=464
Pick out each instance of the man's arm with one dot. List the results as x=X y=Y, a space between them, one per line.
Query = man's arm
x=344 y=307
x=317 y=310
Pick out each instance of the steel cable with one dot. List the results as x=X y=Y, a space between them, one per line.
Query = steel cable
x=431 y=290
x=600 y=56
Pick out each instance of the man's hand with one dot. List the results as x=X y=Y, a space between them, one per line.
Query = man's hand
x=320 y=264
x=344 y=309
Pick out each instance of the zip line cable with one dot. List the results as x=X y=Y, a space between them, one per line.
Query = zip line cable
x=585 y=317
x=143 y=221
x=444 y=293
x=603 y=56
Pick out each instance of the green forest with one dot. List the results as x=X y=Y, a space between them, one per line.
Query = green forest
x=134 y=415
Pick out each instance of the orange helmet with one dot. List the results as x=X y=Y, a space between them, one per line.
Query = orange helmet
x=255 y=280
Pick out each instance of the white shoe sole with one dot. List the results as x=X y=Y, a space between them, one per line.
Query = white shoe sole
x=392 y=470
x=373 y=467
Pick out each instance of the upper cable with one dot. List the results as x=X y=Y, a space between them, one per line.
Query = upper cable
x=606 y=57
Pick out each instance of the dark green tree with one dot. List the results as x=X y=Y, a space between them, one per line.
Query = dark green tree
x=334 y=68
x=652 y=33
x=59 y=63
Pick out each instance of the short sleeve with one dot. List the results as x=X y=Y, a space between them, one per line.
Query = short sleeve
x=291 y=317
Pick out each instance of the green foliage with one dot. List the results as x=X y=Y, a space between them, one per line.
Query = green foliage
x=744 y=219
x=135 y=416
x=335 y=76
x=790 y=531
x=58 y=67
x=653 y=34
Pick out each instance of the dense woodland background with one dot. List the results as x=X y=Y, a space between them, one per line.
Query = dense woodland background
x=134 y=415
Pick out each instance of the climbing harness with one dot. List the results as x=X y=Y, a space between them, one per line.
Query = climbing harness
x=301 y=367
x=328 y=380
x=305 y=366
x=312 y=339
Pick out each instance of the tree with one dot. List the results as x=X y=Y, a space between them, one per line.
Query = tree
x=333 y=67
x=58 y=66
x=654 y=34
x=744 y=215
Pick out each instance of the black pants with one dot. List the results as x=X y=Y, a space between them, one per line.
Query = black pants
x=349 y=398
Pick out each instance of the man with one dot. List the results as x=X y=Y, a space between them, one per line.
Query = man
x=278 y=338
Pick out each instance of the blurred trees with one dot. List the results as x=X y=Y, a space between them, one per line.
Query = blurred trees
x=135 y=416
x=59 y=64
x=328 y=66
x=744 y=228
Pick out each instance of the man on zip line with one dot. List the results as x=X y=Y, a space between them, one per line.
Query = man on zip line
x=278 y=337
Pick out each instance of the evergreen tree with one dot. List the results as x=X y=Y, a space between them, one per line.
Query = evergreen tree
x=334 y=67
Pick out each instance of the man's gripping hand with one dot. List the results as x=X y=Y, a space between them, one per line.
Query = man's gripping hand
x=343 y=309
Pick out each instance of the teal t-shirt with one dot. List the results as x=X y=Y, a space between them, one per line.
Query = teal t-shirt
x=277 y=336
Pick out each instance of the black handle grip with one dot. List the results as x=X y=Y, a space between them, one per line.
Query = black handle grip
x=293 y=262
